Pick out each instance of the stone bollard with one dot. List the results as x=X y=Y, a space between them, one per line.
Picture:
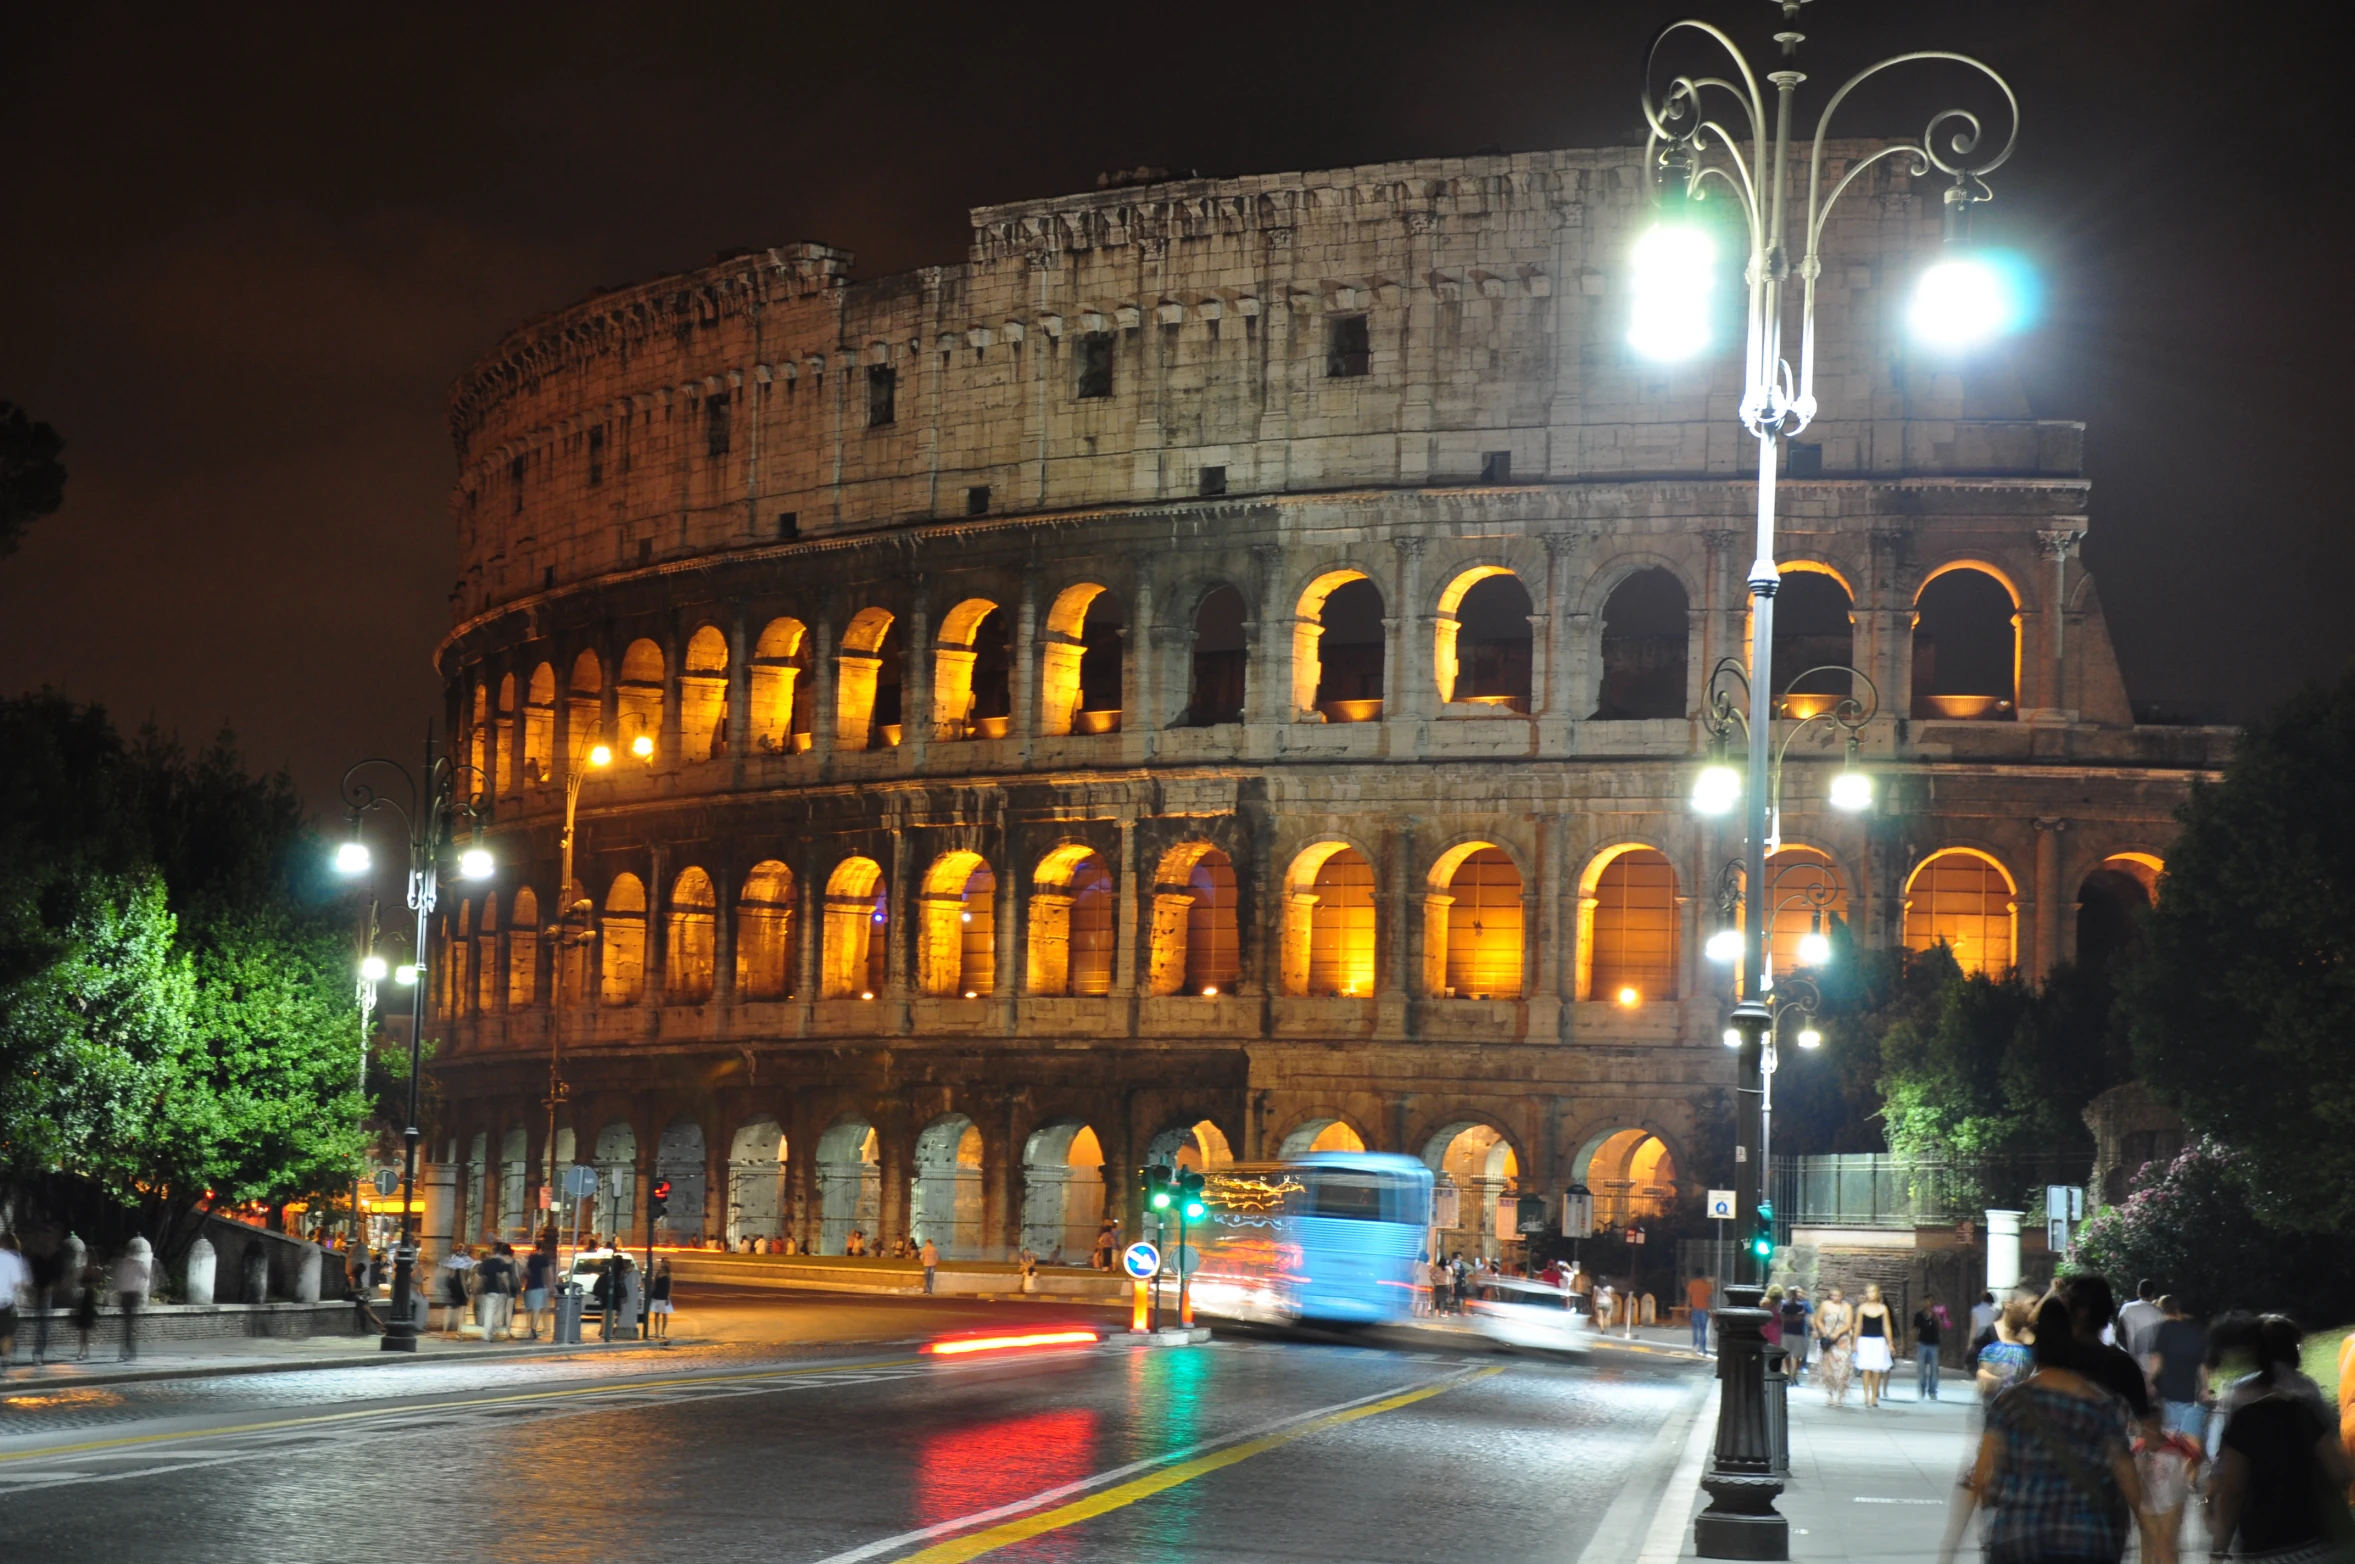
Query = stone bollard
x=1778 y=1410
x=306 y=1277
x=203 y=1263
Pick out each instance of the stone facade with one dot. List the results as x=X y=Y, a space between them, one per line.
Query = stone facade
x=1218 y=668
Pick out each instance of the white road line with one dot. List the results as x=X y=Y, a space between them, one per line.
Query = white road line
x=1665 y=1541
x=1630 y=1518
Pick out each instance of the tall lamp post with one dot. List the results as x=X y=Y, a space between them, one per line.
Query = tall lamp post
x=372 y=973
x=1688 y=155
x=431 y=809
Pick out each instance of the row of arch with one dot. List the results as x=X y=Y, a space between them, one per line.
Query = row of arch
x=1477 y=908
x=1965 y=664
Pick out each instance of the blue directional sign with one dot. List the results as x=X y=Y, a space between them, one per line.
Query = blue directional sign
x=1141 y=1261
x=579 y=1182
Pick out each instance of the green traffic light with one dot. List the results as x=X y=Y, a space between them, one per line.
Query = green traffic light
x=1195 y=1210
x=1161 y=1200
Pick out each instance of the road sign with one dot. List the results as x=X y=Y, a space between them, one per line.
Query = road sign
x=1529 y=1214
x=387 y=1180
x=1184 y=1262
x=621 y=1182
x=579 y=1182
x=1141 y=1260
x=1578 y=1212
x=1721 y=1204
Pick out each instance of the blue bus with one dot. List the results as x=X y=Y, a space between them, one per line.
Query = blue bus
x=1331 y=1236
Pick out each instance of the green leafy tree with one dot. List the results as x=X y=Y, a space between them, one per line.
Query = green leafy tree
x=2242 y=1004
x=1997 y=1066
x=32 y=479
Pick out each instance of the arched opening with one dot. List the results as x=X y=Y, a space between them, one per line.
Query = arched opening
x=1964 y=900
x=622 y=941
x=856 y=933
x=764 y=933
x=972 y=688
x=2111 y=905
x=959 y=949
x=703 y=696
x=1329 y=922
x=1337 y=648
x=945 y=1205
x=585 y=713
x=678 y=1157
x=539 y=725
x=1632 y=1176
x=514 y=1171
x=1795 y=878
x=1321 y=1135
x=1221 y=658
x=850 y=1186
x=1062 y=1192
x=1071 y=924
x=1080 y=663
x=1627 y=927
x=1475 y=1200
x=1472 y=932
x=523 y=952
x=490 y=981
x=510 y=776
x=638 y=697
x=867 y=690
x=690 y=954
x=756 y=1181
x=1644 y=649
x=1966 y=648
x=780 y=695
x=1196 y=947
x=1191 y=1148
x=1482 y=655
x=458 y=961
x=478 y=745
x=1814 y=628
x=614 y=1209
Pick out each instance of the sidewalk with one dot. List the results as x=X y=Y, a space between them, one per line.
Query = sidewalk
x=1875 y=1487
x=208 y=1359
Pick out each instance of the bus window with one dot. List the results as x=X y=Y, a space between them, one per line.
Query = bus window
x=1350 y=1201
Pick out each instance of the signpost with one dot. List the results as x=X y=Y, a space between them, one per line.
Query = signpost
x=1142 y=1262
x=387 y=1180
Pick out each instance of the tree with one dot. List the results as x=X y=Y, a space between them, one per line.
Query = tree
x=32 y=479
x=2241 y=1004
x=1997 y=1066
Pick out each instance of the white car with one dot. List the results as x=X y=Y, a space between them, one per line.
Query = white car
x=1520 y=1312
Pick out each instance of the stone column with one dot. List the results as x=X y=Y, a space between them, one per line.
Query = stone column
x=1408 y=690
x=916 y=677
x=821 y=661
x=1026 y=666
x=900 y=930
x=2051 y=905
x=2051 y=702
x=1140 y=678
x=723 y=933
x=740 y=692
x=658 y=904
x=1267 y=695
x=1124 y=945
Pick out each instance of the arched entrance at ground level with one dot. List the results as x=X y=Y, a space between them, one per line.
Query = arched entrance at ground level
x=616 y=1207
x=1631 y=1174
x=1473 y=1204
x=1062 y=1193
x=1190 y=1147
x=678 y=1157
x=850 y=1184
x=756 y=1182
x=946 y=1207
x=1321 y=1135
x=514 y=1178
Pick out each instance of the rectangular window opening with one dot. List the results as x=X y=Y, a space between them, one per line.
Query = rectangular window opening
x=645 y=551
x=715 y=425
x=1805 y=459
x=515 y=481
x=788 y=525
x=1348 y=350
x=596 y=456
x=1496 y=467
x=1214 y=480
x=882 y=395
x=977 y=500
x=1095 y=365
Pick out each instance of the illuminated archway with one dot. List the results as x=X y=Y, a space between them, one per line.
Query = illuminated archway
x=1472 y=924
x=1323 y=1134
x=2111 y=904
x=539 y=724
x=850 y=1185
x=1631 y=1173
x=780 y=704
x=1965 y=899
x=1645 y=636
x=1329 y=923
x=1191 y=1148
x=867 y=687
x=945 y=1204
x=1062 y=1192
x=1627 y=926
x=1220 y=661
x=764 y=932
x=1966 y=644
x=1196 y=948
x=692 y=948
x=1481 y=650
x=1080 y=662
x=857 y=921
x=1479 y=1174
x=621 y=938
x=703 y=696
x=1814 y=628
x=523 y=952
x=756 y=1181
x=638 y=696
x=1072 y=939
x=957 y=954
x=1337 y=648
x=584 y=712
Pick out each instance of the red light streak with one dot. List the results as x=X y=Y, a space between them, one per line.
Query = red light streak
x=1044 y=1338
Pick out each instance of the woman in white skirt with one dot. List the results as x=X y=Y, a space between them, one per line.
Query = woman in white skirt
x=1874 y=1326
x=658 y=1299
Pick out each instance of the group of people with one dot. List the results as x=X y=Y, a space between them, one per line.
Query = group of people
x=41 y=1270
x=1855 y=1344
x=488 y=1287
x=2104 y=1423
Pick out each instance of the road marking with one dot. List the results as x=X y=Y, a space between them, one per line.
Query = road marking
x=1664 y=1543
x=1196 y=1461
x=1619 y=1535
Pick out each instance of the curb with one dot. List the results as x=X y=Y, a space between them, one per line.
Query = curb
x=13 y=1383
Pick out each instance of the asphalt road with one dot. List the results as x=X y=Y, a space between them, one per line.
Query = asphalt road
x=820 y=1435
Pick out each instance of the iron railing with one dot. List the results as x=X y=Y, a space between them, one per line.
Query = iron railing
x=1881 y=1189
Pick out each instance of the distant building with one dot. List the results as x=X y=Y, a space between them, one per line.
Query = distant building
x=1212 y=675
x=2131 y=1130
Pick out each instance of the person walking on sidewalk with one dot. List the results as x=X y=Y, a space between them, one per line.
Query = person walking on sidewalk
x=2281 y=1479
x=1835 y=1323
x=2054 y=1468
x=1929 y=1332
x=134 y=1276
x=15 y=1277
x=1984 y=1314
x=1699 y=1293
x=45 y=1261
x=1876 y=1332
x=1798 y=1332
x=2006 y=1359
x=90 y=1293
x=495 y=1283
x=539 y=1280
x=363 y=1287
x=658 y=1300
x=930 y=1255
x=2141 y=1315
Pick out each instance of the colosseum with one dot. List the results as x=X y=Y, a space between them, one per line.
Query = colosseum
x=1217 y=673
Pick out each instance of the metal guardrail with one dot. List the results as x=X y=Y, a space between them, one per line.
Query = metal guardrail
x=1880 y=1189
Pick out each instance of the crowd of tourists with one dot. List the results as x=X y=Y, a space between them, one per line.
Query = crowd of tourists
x=42 y=1271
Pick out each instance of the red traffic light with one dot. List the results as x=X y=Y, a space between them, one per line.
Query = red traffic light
x=662 y=1189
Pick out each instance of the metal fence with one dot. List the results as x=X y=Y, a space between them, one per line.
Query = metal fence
x=1878 y=1189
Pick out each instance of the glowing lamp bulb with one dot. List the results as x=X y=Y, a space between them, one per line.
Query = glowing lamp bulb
x=972 y=994
x=964 y=917
x=600 y=754
x=1852 y=791
x=869 y=994
x=1629 y=998
x=1814 y=950
x=373 y=968
x=1210 y=993
x=643 y=746
x=352 y=858
x=1959 y=303
x=1717 y=789
x=1724 y=945
x=1674 y=266
x=406 y=975
x=1733 y=1037
x=1809 y=1037
x=476 y=863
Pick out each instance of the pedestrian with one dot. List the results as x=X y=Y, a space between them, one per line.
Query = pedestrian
x=91 y=1291
x=2055 y=1467
x=1107 y=1240
x=495 y=1282
x=607 y=1292
x=1929 y=1333
x=45 y=1260
x=2169 y=1458
x=134 y=1276
x=1876 y=1332
x=1798 y=1338
x=1833 y=1324
x=2139 y=1316
x=2092 y=1311
x=1457 y=1273
x=453 y=1283
x=2009 y=1352
x=1029 y=1264
x=1983 y=1317
x=1772 y=1328
x=658 y=1300
x=1699 y=1293
x=15 y=1277
x=539 y=1280
x=1603 y=1303
x=930 y=1255
x=2279 y=1490
x=2173 y=1353
x=363 y=1287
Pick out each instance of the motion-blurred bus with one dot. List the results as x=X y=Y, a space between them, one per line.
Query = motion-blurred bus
x=1332 y=1236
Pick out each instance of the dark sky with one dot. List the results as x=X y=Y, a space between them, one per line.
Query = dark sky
x=245 y=250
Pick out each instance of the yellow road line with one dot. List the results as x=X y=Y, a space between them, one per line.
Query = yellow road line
x=129 y=1440
x=1025 y=1527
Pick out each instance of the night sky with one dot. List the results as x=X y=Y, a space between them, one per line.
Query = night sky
x=244 y=251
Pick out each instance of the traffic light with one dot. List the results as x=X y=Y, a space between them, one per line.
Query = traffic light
x=1190 y=1195
x=658 y=1203
x=1160 y=1193
x=1762 y=1236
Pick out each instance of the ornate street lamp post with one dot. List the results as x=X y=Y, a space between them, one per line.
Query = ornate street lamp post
x=1687 y=154
x=429 y=814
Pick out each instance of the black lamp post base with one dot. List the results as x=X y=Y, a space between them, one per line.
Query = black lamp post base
x=1734 y=1535
x=407 y=1342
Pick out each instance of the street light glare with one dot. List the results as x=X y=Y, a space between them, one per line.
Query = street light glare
x=1852 y=791
x=1809 y=1037
x=1717 y=789
x=373 y=968
x=1724 y=945
x=1673 y=268
x=600 y=754
x=476 y=863
x=1971 y=298
x=1629 y=999
x=1733 y=1037
x=352 y=858
x=405 y=975
x=643 y=746
x=1814 y=949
